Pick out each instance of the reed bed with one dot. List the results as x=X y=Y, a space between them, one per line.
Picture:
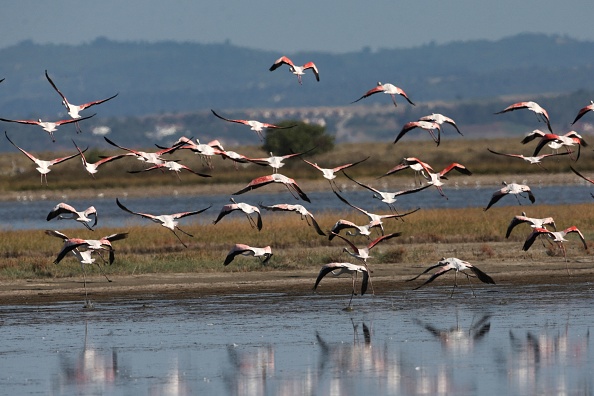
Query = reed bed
x=427 y=235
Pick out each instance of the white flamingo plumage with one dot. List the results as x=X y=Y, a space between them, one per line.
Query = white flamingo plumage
x=511 y=188
x=305 y=214
x=337 y=269
x=297 y=70
x=49 y=126
x=254 y=125
x=389 y=89
x=540 y=112
x=330 y=173
x=247 y=209
x=534 y=222
x=65 y=211
x=429 y=126
x=556 y=236
x=264 y=254
x=440 y=119
x=289 y=183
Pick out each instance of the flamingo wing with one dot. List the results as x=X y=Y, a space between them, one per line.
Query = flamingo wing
x=191 y=213
x=583 y=111
x=95 y=102
x=483 y=277
x=532 y=237
x=256 y=183
x=283 y=60
x=145 y=215
x=55 y=88
x=372 y=91
x=383 y=238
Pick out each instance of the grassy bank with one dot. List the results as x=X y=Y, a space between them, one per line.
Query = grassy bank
x=427 y=235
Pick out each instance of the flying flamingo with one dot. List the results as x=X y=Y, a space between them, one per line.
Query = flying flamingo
x=305 y=214
x=48 y=126
x=91 y=244
x=429 y=126
x=421 y=168
x=152 y=158
x=435 y=177
x=342 y=224
x=289 y=183
x=337 y=269
x=532 y=160
x=534 y=223
x=206 y=151
x=43 y=166
x=375 y=220
x=276 y=161
x=453 y=263
x=247 y=209
x=389 y=198
x=583 y=177
x=64 y=211
x=264 y=254
x=256 y=126
x=541 y=113
x=389 y=89
x=91 y=168
x=440 y=119
x=511 y=188
x=74 y=110
x=167 y=220
x=297 y=70
x=330 y=173
x=172 y=166
x=583 y=111
x=555 y=141
x=556 y=236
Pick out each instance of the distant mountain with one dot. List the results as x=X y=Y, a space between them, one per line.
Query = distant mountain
x=181 y=78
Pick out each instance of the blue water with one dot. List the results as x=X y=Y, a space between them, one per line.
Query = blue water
x=31 y=214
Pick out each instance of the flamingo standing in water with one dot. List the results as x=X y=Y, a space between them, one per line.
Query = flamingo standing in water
x=289 y=183
x=305 y=214
x=337 y=269
x=64 y=211
x=429 y=126
x=557 y=236
x=243 y=207
x=74 y=110
x=264 y=254
x=453 y=263
x=511 y=188
x=583 y=111
x=440 y=119
x=254 y=125
x=48 y=126
x=541 y=113
x=168 y=221
x=330 y=173
x=297 y=70
x=43 y=166
x=389 y=89
x=389 y=198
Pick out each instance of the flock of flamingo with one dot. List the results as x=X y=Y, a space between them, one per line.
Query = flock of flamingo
x=425 y=176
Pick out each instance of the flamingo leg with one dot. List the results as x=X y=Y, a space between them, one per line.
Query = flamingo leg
x=455 y=284
x=177 y=236
x=394 y=100
x=470 y=283
x=103 y=272
x=370 y=281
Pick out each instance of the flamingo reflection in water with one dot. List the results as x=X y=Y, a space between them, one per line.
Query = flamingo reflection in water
x=456 y=338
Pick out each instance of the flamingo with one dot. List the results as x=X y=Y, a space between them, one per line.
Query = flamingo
x=342 y=224
x=91 y=244
x=64 y=211
x=429 y=126
x=256 y=126
x=305 y=214
x=289 y=183
x=167 y=220
x=453 y=263
x=389 y=198
x=337 y=269
x=330 y=173
x=511 y=188
x=172 y=166
x=297 y=70
x=583 y=177
x=534 y=223
x=74 y=110
x=435 y=177
x=541 y=113
x=557 y=141
x=206 y=151
x=583 y=111
x=243 y=207
x=48 y=126
x=276 y=161
x=236 y=157
x=91 y=168
x=389 y=89
x=421 y=168
x=152 y=158
x=43 y=166
x=556 y=236
x=264 y=254
x=375 y=220
x=531 y=160
x=440 y=119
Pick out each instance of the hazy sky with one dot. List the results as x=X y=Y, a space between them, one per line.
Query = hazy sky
x=286 y=27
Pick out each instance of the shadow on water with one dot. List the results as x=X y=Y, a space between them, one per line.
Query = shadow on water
x=533 y=340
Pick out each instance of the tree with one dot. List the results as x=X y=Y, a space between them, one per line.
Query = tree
x=298 y=139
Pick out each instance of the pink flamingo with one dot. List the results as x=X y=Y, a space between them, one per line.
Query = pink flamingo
x=256 y=126
x=389 y=89
x=289 y=183
x=534 y=223
x=541 y=113
x=64 y=211
x=330 y=173
x=583 y=111
x=247 y=209
x=440 y=119
x=264 y=254
x=91 y=168
x=48 y=126
x=557 y=236
x=511 y=188
x=531 y=160
x=429 y=126
x=297 y=70
x=305 y=214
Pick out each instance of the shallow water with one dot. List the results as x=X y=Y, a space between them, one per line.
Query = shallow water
x=31 y=214
x=507 y=340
